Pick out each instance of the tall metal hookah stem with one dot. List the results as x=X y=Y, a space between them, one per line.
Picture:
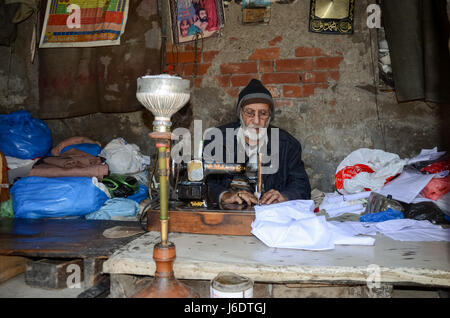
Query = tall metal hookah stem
x=164 y=199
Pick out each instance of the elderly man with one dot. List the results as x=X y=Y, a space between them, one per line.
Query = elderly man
x=289 y=181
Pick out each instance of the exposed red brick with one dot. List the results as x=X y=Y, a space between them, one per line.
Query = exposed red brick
x=320 y=77
x=241 y=80
x=233 y=92
x=239 y=68
x=201 y=69
x=181 y=57
x=332 y=102
x=266 y=66
x=265 y=54
x=223 y=81
x=275 y=40
x=274 y=91
x=280 y=78
x=294 y=65
x=292 y=91
x=328 y=62
x=198 y=82
x=308 y=51
x=208 y=56
x=284 y=103
x=308 y=89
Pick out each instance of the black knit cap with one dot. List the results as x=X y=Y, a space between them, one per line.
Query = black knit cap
x=254 y=92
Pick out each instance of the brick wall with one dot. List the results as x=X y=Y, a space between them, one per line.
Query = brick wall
x=288 y=78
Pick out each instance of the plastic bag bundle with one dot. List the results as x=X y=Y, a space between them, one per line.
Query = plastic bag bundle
x=23 y=136
x=124 y=158
x=115 y=209
x=367 y=170
x=40 y=197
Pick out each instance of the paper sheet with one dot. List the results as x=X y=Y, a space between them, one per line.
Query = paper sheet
x=427 y=155
x=406 y=186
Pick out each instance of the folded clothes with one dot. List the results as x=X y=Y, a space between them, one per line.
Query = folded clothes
x=73 y=158
x=72 y=163
x=47 y=170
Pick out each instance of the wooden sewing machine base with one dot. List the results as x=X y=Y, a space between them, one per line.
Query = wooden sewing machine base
x=198 y=221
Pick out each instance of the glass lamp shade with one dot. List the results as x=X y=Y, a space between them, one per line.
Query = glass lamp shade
x=163 y=95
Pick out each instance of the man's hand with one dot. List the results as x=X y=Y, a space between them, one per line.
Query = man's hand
x=272 y=196
x=239 y=197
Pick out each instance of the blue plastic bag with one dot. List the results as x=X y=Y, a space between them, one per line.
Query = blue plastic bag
x=92 y=149
x=40 y=197
x=115 y=207
x=141 y=194
x=390 y=214
x=23 y=136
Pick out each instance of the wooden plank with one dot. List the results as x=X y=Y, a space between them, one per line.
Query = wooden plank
x=60 y=238
x=204 y=222
x=11 y=266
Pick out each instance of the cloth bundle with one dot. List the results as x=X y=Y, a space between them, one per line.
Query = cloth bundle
x=72 y=163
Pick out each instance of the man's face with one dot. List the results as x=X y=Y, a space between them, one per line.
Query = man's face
x=184 y=27
x=255 y=116
x=202 y=16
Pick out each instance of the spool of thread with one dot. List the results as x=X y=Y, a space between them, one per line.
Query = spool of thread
x=231 y=285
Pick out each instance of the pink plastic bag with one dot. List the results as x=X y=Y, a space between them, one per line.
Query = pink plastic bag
x=436 y=188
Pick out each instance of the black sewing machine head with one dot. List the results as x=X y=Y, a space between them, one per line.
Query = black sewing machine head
x=188 y=180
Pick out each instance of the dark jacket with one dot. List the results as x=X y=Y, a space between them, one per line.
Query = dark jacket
x=290 y=180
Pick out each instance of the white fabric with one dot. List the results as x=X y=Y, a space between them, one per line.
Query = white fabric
x=398 y=229
x=293 y=224
x=336 y=204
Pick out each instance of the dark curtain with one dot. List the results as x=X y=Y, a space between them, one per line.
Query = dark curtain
x=417 y=32
x=81 y=81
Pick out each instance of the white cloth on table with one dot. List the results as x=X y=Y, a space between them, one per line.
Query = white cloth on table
x=293 y=224
x=398 y=229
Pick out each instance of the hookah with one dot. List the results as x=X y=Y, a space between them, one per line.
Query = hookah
x=163 y=95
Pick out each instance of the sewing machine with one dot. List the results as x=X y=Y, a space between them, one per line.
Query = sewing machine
x=189 y=180
x=190 y=210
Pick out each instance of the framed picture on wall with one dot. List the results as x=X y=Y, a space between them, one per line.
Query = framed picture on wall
x=191 y=19
x=331 y=16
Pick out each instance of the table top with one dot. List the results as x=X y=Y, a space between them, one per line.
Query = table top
x=60 y=238
x=201 y=256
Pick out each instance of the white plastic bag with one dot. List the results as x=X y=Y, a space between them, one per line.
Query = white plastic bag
x=124 y=158
x=367 y=170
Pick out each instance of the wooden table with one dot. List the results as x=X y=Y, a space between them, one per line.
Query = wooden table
x=63 y=238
